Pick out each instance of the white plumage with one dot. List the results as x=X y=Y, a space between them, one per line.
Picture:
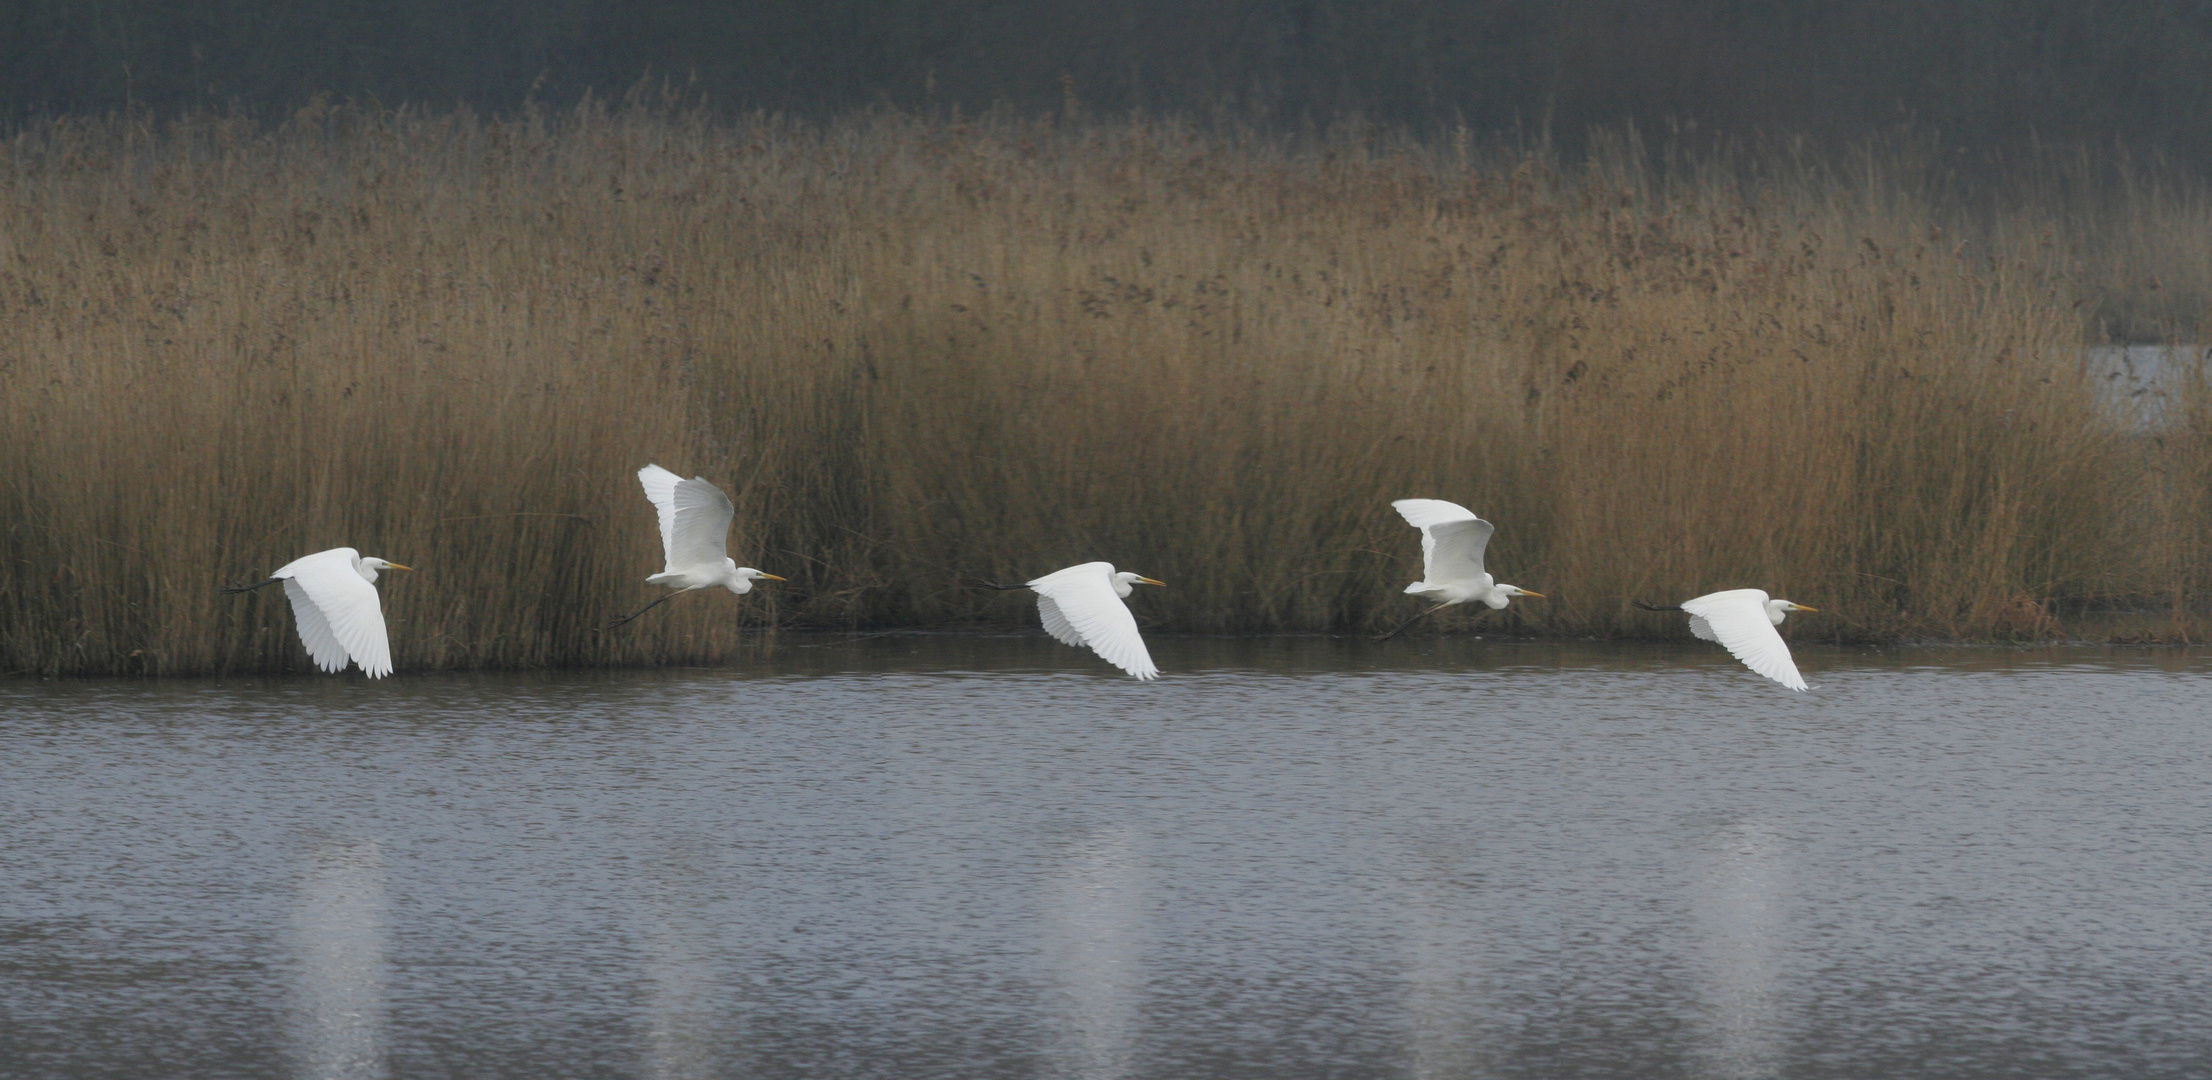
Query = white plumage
x=695 y=529
x=1082 y=605
x=1453 y=540
x=1743 y=621
x=336 y=610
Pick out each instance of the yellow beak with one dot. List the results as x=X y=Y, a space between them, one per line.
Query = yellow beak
x=772 y=577
x=396 y=566
x=1538 y=595
x=1149 y=581
x=1802 y=607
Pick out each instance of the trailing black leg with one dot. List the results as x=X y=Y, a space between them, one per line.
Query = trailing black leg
x=1411 y=621
x=626 y=618
x=252 y=587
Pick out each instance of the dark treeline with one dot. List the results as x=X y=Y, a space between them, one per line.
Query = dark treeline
x=2100 y=71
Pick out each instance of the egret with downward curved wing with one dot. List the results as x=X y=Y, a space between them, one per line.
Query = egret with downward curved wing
x=1082 y=605
x=335 y=608
x=1744 y=621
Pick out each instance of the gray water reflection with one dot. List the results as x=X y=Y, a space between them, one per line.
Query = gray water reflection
x=1097 y=910
x=1742 y=933
x=339 y=935
x=973 y=857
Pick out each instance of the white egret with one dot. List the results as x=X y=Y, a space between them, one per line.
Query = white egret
x=1452 y=542
x=334 y=606
x=1082 y=605
x=695 y=534
x=1743 y=620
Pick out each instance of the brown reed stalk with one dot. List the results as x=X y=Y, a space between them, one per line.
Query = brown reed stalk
x=916 y=352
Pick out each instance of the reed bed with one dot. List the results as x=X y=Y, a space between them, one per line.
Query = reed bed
x=917 y=352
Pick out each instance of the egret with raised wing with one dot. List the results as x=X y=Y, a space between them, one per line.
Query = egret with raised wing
x=1452 y=542
x=695 y=532
x=335 y=608
x=1082 y=605
x=1744 y=621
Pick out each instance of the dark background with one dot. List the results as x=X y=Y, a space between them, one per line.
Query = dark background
x=2135 y=74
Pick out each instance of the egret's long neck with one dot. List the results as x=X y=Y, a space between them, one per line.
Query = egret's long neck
x=365 y=570
x=1776 y=612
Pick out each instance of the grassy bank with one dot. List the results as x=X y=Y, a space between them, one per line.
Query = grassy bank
x=921 y=352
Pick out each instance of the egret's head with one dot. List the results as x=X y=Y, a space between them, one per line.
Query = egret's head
x=750 y=574
x=1777 y=610
x=368 y=567
x=1127 y=579
x=1516 y=590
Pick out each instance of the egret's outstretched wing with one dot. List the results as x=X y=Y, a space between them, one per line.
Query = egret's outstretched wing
x=1452 y=550
x=1057 y=624
x=337 y=612
x=1700 y=629
x=314 y=630
x=1422 y=513
x=660 y=487
x=702 y=531
x=1738 y=620
x=1452 y=538
x=1084 y=597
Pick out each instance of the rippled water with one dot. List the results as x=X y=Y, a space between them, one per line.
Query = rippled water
x=972 y=857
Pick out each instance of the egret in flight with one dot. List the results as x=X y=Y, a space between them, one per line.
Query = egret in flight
x=334 y=605
x=1743 y=620
x=695 y=534
x=1082 y=605
x=1452 y=543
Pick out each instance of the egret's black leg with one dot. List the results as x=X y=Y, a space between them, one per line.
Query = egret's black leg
x=1656 y=607
x=252 y=587
x=626 y=618
x=1411 y=621
x=996 y=585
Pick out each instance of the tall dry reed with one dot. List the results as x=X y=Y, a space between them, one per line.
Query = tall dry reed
x=921 y=352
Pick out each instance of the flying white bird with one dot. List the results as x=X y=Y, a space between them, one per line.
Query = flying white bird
x=1743 y=620
x=695 y=534
x=1452 y=542
x=334 y=605
x=1082 y=605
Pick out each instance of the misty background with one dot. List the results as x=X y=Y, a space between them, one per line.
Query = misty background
x=1982 y=75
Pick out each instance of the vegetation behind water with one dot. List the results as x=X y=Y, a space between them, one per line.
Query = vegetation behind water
x=922 y=352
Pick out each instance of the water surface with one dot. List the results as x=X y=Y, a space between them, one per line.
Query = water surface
x=979 y=857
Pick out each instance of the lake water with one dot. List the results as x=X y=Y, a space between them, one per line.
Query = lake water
x=989 y=857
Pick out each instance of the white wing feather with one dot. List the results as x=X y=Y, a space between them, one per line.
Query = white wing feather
x=1084 y=597
x=1422 y=513
x=1453 y=539
x=1700 y=629
x=1738 y=620
x=314 y=630
x=1056 y=624
x=660 y=487
x=337 y=611
x=702 y=536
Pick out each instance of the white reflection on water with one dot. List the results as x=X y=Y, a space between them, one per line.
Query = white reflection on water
x=683 y=1040
x=338 y=935
x=1443 y=998
x=1095 y=904
x=1741 y=922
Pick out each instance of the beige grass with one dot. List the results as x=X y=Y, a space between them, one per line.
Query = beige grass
x=921 y=352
